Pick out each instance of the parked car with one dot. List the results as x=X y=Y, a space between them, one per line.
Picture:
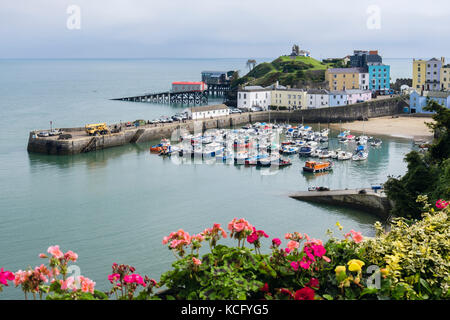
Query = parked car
x=235 y=110
x=55 y=132
x=43 y=134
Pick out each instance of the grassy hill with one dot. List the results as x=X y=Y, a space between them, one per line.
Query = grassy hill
x=297 y=71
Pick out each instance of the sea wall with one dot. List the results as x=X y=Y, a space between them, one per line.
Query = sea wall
x=376 y=203
x=80 y=142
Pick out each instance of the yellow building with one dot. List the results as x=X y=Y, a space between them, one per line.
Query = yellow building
x=419 y=74
x=293 y=98
x=341 y=79
x=445 y=77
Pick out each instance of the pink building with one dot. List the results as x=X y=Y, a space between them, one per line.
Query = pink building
x=357 y=95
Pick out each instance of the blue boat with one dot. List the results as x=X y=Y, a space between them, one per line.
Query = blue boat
x=305 y=152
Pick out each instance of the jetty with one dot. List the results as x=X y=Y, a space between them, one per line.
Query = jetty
x=185 y=97
x=76 y=140
x=365 y=199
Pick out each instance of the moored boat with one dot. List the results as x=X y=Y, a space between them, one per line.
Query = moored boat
x=314 y=166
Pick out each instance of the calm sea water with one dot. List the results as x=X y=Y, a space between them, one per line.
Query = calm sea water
x=116 y=205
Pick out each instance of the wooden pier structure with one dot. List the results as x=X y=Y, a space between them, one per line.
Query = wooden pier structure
x=187 y=97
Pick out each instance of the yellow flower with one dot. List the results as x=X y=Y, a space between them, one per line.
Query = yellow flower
x=384 y=271
x=340 y=269
x=339 y=225
x=355 y=265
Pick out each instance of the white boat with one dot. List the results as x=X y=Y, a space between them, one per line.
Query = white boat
x=324 y=154
x=376 y=143
x=361 y=155
x=343 y=155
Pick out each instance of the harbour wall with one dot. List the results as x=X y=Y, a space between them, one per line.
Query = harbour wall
x=375 y=203
x=81 y=142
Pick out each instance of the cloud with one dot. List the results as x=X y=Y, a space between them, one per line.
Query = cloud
x=220 y=28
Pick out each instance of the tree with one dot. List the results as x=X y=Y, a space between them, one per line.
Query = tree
x=428 y=174
x=251 y=63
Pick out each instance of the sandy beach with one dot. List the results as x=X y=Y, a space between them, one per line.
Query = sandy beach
x=401 y=127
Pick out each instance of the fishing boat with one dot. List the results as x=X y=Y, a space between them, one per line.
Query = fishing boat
x=305 y=151
x=289 y=150
x=324 y=154
x=376 y=143
x=361 y=155
x=344 y=155
x=157 y=148
x=313 y=166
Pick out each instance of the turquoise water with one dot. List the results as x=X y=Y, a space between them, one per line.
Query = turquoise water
x=116 y=205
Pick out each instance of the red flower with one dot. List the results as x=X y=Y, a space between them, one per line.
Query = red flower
x=313 y=283
x=304 y=294
x=265 y=288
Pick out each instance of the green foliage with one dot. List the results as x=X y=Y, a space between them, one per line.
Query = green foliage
x=225 y=273
x=428 y=174
x=286 y=70
x=416 y=256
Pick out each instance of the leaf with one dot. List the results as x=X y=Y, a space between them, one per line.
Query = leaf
x=327 y=296
x=425 y=284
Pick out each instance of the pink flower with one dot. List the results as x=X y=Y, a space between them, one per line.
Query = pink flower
x=265 y=288
x=287 y=250
x=287 y=236
x=276 y=242
x=55 y=252
x=319 y=250
x=134 y=278
x=441 y=204
x=6 y=276
x=87 y=285
x=326 y=258
x=70 y=255
x=356 y=236
x=43 y=256
x=294 y=265
x=68 y=284
x=113 y=277
x=305 y=263
x=196 y=261
x=293 y=245
x=252 y=238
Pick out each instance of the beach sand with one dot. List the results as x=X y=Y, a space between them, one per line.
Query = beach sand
x=401 y=127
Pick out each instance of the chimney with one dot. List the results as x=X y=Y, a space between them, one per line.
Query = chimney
x=442 y=60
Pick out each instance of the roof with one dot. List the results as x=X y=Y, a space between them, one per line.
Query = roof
x=219 y=72
x=208 y=108
x=355 y=91
x=338 y=93
x=437 y=94
x=317 y=91
x=345 y=70
x=188 y=82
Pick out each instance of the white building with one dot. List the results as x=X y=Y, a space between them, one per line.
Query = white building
x=317 y=98
x=207 y=112
x=254 y=96
x=364 y=81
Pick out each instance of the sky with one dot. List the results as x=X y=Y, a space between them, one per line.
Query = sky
x=222 y=28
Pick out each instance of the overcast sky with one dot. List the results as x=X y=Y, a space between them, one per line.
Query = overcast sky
x=223 y=28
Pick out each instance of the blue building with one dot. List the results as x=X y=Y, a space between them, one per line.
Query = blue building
x=379 y=76
x=417 y=102
x=338 y=98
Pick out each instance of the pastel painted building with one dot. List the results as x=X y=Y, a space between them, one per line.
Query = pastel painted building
x=338 y=98
x=364 y=81
x=357 y=96
x=379 y=76
x=417 y=101
x=445 y=77
x=419 y=74
x=340 y=79
x=317 y=98
x=290 y=98
x=433 y=74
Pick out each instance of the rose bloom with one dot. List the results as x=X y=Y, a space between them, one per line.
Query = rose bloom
x=196 y=261
x=276 y=242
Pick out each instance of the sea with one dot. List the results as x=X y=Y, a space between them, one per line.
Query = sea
x=116 y=205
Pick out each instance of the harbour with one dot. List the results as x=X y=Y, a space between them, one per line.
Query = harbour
x=117 y=203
